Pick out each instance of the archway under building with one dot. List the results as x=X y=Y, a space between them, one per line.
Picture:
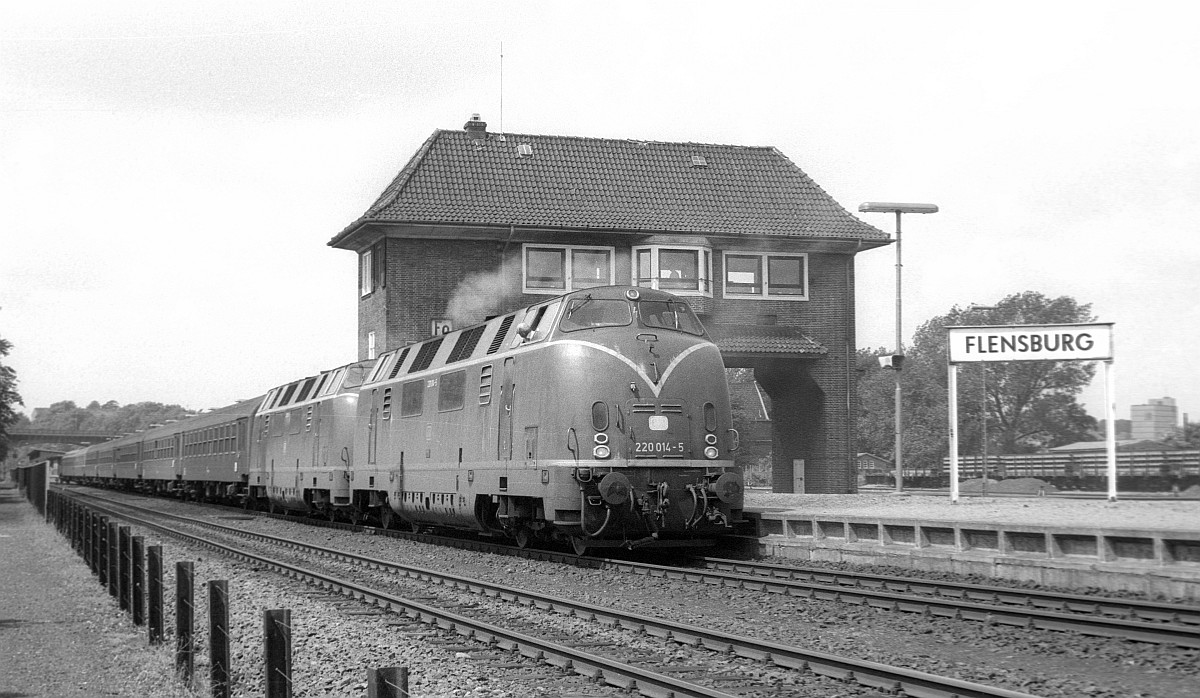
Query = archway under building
x=809 y=452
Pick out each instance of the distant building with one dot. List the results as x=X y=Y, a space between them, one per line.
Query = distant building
x=874 y=470
x=1156 y=420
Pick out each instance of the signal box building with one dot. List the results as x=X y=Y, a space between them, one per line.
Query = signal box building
x=477 y=224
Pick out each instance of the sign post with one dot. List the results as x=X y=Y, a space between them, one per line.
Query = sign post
x=993 y=343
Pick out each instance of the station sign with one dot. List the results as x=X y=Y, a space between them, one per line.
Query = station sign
x=440 y=327
x=1087 y=342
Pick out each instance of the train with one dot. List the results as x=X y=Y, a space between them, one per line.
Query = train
x=600 y=418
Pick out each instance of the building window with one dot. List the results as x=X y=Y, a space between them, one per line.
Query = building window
x=777 y=276
x=366 y=272
x=555 y=269
x=371 y=267
x=370 y=345
x=681 y=270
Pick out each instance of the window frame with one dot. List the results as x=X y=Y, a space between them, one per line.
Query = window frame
x=764 y=260
x=569 y=284
x=704 y=267
x=372 y=270
x=366 y=272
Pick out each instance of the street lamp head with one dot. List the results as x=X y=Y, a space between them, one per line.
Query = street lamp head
x=884 y=207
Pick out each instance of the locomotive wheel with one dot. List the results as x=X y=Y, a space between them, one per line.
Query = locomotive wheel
x=523 y=537
x=416 y=527
x=331 y=513
x=579 y=544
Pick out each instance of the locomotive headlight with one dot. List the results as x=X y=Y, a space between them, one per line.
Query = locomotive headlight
x=601 y=451
x=710 y=452
x=600 y=438
x=710 y=439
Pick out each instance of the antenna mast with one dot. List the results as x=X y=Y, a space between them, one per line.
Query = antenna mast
x=501 y=87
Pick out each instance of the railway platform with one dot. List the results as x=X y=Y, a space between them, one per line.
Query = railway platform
x=1151 y=547
x=60 y=633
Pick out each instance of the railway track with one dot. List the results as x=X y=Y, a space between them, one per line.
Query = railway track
x=1141 y=621
x=1127 y=609
x=695 y=679
x=1127 y=619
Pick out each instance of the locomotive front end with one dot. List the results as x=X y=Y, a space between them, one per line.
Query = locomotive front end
x=651 y=436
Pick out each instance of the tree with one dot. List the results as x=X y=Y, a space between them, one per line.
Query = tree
x=110 y=416
x=1028 y=405
x=876 y=404
x=1189 y=438
x=9 y=398
x=751 y=418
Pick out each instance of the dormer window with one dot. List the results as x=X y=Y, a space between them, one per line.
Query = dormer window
x=680 y=270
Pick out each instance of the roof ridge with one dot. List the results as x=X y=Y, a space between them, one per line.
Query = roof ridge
x=644 y=141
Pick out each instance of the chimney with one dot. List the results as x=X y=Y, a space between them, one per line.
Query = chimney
x=475 y=127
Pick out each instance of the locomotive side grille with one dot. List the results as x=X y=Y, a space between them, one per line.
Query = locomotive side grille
x=425 y=355
x=499 y=338
x=465 y=345
x=399 y=363
x=642 y=407
x=671 y=408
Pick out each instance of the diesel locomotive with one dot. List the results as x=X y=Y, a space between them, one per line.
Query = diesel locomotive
x=599 y=418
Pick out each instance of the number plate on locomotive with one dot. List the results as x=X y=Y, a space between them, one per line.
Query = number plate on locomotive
x=654 y=449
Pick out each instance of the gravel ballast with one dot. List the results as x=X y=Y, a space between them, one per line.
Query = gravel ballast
x=337 y=640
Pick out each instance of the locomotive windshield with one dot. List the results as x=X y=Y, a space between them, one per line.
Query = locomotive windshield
x=671 y=315
x=587 y=312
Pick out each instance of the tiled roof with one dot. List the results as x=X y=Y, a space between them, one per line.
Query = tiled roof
x=469 y=178
x=763 y=339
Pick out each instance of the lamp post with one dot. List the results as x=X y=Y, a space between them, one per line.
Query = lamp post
x=898 y=209
x=983 y=405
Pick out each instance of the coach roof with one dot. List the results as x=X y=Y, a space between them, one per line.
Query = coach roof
x=475 y=178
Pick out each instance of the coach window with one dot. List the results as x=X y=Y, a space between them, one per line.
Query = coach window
x=775 y=276
x=412 y=398
x=556 y=269
x=680 y=270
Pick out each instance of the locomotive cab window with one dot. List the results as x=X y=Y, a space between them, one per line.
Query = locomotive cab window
x=536 y=324
x=586 y=313
x=669 y=315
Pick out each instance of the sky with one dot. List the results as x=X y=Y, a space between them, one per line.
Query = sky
x=170 y=173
